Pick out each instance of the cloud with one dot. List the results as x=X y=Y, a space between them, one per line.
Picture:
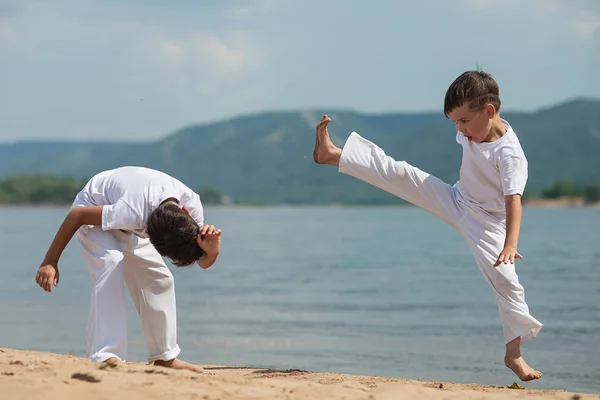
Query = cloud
x=8 y=9
x=142 y=69
x=206 y=63
x=480 y=5
x=116 y=70
x=39 y=29
x=5 y=30
x=581 y=18
x=252 y=8
x=586 y=26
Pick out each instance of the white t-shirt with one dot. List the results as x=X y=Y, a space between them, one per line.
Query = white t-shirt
x=130 y=194
x=492 y=170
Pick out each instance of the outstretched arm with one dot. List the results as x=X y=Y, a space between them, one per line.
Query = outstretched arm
x=514 y=211
x=48 y=272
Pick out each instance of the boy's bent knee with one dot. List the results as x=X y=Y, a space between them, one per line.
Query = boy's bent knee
x=159 y=283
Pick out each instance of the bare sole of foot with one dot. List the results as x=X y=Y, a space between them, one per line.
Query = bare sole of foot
x=178 y=364
x=522 y=369
x=325 y=151
x=114 y=361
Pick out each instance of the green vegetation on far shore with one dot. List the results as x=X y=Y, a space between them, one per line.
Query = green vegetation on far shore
x=40 y=189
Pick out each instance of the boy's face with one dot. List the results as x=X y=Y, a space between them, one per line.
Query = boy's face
x=475 y=125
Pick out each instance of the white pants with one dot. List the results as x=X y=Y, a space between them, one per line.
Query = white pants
x=484 y=232
x=115 y=259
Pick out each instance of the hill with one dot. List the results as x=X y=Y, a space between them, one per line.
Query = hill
x=267 y=157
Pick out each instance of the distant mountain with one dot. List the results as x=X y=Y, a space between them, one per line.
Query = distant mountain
x=267 y=157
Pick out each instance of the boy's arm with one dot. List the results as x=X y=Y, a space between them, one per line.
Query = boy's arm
x=512 y=166
x=514 y=211
x=209 y=240
x=207 y=260
x=77 y=216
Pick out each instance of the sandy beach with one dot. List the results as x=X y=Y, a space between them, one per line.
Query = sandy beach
x=39 y=375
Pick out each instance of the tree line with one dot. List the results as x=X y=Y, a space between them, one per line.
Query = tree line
x=46 y=189
x=42 y=189
x=566 y=189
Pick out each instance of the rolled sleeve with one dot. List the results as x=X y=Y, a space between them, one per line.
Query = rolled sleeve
x=121 y=216
x=196 y=209
x=513 y=174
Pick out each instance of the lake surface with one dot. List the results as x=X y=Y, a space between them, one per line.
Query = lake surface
x=387 y=291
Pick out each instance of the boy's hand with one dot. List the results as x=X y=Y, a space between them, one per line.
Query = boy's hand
x=509 y=253
x=47 y=275
x=209 y=239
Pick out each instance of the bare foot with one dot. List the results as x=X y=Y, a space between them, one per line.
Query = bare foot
x=325 y=151
x=522 y=369
x=514 y=361
x=113 y=361
x=178 y=364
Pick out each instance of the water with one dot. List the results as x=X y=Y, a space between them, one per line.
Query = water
x=385 y=291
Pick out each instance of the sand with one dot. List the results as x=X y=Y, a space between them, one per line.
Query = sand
x=38 y=375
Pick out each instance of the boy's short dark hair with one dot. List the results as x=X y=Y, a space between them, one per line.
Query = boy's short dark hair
x=173 y=232
x=475 y=88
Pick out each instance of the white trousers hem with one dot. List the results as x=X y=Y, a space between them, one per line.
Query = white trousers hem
x=166 y=356
x=101 y=357
x=530 y=333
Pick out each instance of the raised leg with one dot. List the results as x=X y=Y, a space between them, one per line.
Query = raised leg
x=366 y=161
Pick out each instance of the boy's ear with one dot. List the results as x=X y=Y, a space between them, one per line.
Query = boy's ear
x=490 y=110
x=184 y=208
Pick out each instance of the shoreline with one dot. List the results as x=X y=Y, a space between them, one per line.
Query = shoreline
x=531 y=203
x=24 y=374
x=573 y=202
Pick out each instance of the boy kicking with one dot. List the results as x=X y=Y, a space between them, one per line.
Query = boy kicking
x=126 y=219
x=484 y=205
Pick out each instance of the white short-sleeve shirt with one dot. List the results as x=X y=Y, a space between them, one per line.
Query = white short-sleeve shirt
x=492 y=170
x=129 y=194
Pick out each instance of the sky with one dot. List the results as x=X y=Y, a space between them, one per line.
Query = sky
x=142 y=69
